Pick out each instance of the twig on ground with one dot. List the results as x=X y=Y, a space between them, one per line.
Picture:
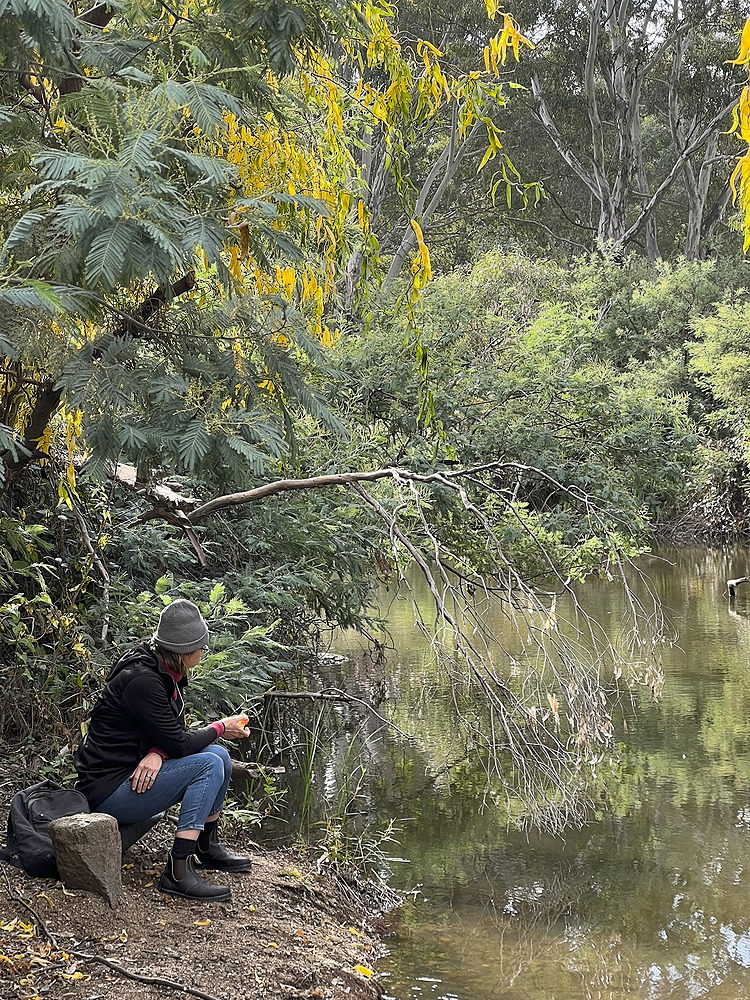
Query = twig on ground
x=139 y=978
x=85 y=957
x=19 y=899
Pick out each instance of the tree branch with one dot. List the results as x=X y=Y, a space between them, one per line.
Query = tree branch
x=589 y=89
x=677 y=167
x=567 y=154
x=99 y=565
x=451 y=158
x=345 y=479
x=331 y=694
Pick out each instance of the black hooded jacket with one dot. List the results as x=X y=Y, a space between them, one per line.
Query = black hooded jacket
x=141 y=707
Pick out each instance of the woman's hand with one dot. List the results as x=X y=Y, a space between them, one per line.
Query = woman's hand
x=145 y=773
x=235 y=727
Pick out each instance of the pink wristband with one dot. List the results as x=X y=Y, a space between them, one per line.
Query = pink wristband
x=219 y=727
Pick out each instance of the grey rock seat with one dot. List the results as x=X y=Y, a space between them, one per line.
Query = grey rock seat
x=88 y=853
x=89 y=849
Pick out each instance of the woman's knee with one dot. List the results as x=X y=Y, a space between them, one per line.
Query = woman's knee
x=222 y=754
x=208 y=767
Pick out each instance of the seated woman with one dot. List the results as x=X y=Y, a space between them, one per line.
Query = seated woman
x=137 y=757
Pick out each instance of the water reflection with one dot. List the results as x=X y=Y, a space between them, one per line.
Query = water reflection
x=652 y=899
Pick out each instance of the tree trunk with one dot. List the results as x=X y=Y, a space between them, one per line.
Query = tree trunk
x=625 y=46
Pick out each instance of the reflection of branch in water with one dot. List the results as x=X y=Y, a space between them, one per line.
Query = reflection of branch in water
x=548 y=689
x=741 y=616
x=734 y=612
x=527 y=920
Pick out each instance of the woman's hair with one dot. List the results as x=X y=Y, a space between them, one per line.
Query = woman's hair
x=171 y=659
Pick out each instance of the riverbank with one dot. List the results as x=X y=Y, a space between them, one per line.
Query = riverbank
x=289 y=931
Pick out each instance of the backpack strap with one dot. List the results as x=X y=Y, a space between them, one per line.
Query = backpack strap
x=9 y=853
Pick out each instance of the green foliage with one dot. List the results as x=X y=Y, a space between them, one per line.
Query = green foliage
x=538 y=384
x=721 y=357
x=142 y=322
x=44 y=659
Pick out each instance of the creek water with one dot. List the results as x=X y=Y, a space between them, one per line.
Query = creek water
x=651 y=899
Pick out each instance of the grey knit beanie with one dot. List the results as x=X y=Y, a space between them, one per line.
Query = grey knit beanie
x=181 y=628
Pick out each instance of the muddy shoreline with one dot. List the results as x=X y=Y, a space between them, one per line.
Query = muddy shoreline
x=289 y=931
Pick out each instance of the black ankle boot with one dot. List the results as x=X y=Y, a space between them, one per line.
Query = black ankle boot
x=192 y=886
x=211 y=854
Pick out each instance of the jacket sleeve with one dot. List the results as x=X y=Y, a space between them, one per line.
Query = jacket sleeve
x=148 y=702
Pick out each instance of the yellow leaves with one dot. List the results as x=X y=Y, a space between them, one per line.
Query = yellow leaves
x=43 y=443
x=235 y=266
x=18 y=925
x=74 y=419
x=286 y=278
x=742 y=171
x=743 y=59
x=363 y=971
x=494 y=143
x=495 y=53
x=425 y=49
x=334 y=106
x=36 y=955
x=310 y=288
x=741 y=116
x=740 y=179
x=433 y=86
x=285 y=166
x=74 y=975
x=421 y=269
x=424 y=46
x=202 y=923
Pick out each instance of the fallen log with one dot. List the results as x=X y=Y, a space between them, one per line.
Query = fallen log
x=733 y=584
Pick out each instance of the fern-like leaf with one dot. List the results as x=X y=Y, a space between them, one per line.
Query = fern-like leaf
x=110 y=250
x=208 y=167
x=194 y=444
x=203 y=232
x=207 y=105
x=137 y=151
x=22 y=229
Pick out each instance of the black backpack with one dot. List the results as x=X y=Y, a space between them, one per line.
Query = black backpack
x=29 y=844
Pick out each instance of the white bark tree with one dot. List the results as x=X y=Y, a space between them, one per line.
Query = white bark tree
x=632 y=46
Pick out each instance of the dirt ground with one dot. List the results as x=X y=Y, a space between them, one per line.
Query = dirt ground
x=287 y=932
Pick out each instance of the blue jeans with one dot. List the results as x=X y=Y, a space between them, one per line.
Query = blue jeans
x=199 y=781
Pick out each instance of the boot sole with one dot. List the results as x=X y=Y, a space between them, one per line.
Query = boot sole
x=196 y=899
x=199 y=866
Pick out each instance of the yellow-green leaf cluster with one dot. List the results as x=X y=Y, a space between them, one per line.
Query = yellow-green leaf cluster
x=740 y=179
